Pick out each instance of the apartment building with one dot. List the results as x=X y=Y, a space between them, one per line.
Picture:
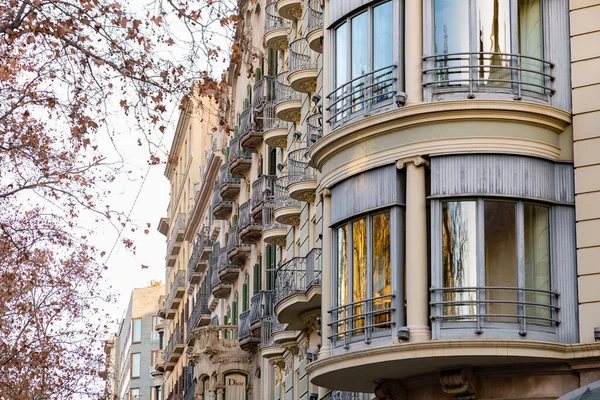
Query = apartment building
x=406 y=207
x=132 y=351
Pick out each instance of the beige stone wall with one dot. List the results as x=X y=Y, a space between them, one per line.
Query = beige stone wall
x=585 y=75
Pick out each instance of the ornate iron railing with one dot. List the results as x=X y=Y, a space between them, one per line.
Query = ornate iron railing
x=263 y=91
x=223 y=260
x=175 y=340
x=362 y=94
x=262 y=188
x=178 y=281
x=300 y=56
x=200 y=308
x=177 y=226
x=245 y=122
x=261 y=305
x=202 y=241
x=246 y=219
x=269 y=326
x=314 y=15
x=244 y=325
x=236 y=152
x=283 y=91
x=298 y=168
x=273 y=20
x=214 y=276
x=233 y=240
x=295 y=276
x=282 y=194
x=270 y=121
x=268 y=220
x=314 y=129
x=491 y=72
x=225 y=177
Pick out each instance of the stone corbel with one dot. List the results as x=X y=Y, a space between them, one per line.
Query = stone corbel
x=417 y=161
x=310 y=319
x=460 y=383
x=390 y=390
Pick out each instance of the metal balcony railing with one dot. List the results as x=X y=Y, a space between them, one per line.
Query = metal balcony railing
x=268 y=220
x=341 y=395
x=298 y=168
x=162 y=303
x=474 y=72
x=233 y=240
x=200 y=308
x=225 y=177
x=236 y=152
x=270 y=121
x=214 y=275
x=177 y=227
x=263 y=91
x=223 y=260
x=246 y=219
x=269 y=326
x=262 y=188
x=178 y=281
x=295 y=277
x=362 y=94
x=282 y=194
x=283 y=91
x=202 y=241
x=245 y=122
x=314 y=129
x=273 y=20
x=175 y=340
x=314 y=15
x=244 y=325
x=300 y=56
x=261 y=305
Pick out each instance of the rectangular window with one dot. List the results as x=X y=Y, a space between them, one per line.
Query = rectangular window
x=360 y=58
x=359 y=270
x=135 y=365
x=382 y=280
x=537 y=263
x=342 y=272
x=136 y=328
x=134 y=394
x=531 y=43
x=501 y=259
x=459 y=252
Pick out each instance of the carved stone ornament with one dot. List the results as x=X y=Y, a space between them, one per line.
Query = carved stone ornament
x=417 y=161
x=310 y=319
x=460 y=383
x=390 y=390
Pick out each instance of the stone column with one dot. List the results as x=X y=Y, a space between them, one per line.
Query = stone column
x=417 y=291
x=326 y=276
x=413 y=52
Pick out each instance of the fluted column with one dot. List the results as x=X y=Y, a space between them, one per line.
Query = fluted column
x=417 y=291
x=326 y=276
x=413 y=21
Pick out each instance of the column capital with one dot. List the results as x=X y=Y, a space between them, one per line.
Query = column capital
x=416 y=160
x=326 y=193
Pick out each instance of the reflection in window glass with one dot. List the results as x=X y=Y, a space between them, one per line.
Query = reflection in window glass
x=382 y=282
x=531 y=42
x=493 y=22
x=459 y=253
x=342 y=257
x=451 y=36
x=359 y=270
x=136 y=327
x=360 y=57
x=135 y=365
x=537 y=261
x=341 y=55
x=383 y=50
x=501 y=258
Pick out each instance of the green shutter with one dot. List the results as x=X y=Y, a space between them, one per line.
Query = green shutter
x=259 y=74
x=245 y=301
x=272 y=161
x=234 y=317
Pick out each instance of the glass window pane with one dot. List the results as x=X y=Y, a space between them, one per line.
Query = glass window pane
x=537 y=261
x=493 y=36
x=135 y=394
x=359 y=271
x=459 y=257
x=137 y=330
x=382 y=280
x=383 y=50
x=342 y=278
x=452 y=36
x=135 y=365
x=501 y=258
x=531 y=43
x=360 y=59
x=341 y=72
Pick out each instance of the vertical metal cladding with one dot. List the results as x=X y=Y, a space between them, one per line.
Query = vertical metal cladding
x=369 y=190
x=558 y=50
x=502 y=175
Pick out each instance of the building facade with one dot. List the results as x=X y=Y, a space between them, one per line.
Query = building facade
x=400 y=200
x=133 y=350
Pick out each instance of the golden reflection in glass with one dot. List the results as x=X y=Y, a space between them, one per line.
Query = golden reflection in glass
x=359 y=272
x=382 y=280
x=493 y=36
x=342 y=256
x=531 y=43
x=537 y=263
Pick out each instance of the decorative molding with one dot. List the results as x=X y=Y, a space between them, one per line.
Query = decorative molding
x=460 y=383
x=416 y=160
x=309 y=319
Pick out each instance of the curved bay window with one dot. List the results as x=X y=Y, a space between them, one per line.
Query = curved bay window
x=495 y=267
x=483 y=46
x=365 y=72
x=363 y=297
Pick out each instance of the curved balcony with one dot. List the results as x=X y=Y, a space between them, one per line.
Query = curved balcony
x=263 y=92
x=237 y=250
x=250 y=131
x=229 y=186
x=159 y=363
x=162 y=306
x=250 y=231
x=228 y=272
x=219 y=289
x=221 y=209
x=239 y=161
x=275 y=131
x=268 y=347
x=288 y=102
x=248 y=341
x=176 y=293
x=302 y=178
x=287 y=210
x=199 y=259
x=262 y=188
x=289 y=9
x=314 y=130
x=487 y=75
x=303 y=69
x=276 y=29
x=200 y=315
x=176 y=239
x=298 y=290
x=261 y=305
x=314 y=25
x=174 y=348
x=273 y=232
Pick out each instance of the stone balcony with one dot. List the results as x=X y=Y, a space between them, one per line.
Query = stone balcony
x=276 y=29
x=287 y=210
x=303 y=68
x=249 y=230
x=176 y=293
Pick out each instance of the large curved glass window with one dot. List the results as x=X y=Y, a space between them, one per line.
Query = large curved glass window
x=491 y=44
x=364 y=73
x=364 y=289
x=496 y=263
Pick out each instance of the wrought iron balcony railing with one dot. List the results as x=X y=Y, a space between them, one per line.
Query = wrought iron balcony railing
x=236 y=152
x=283 y=91
x=263 y=91
x=233 y=240
x=262 y=188
x=175 y=341
x=176 y=231
x=341 y=395
x=282 y=194
x=298 y=168
x=269 y=326
x=270 y=121
x=300 y=56
x=246 y=123
x=225 y=177
x=475 y=72
x=244 y=325
x=200 y=308
x=175 y=291
x=314 y=129
x=297 y=275
x=246 y=219
x=202 y=241
x=362 y=94
x=314 y=16
x=273 y=20
x=214 y=275
x=268 y=219
x=261 y=305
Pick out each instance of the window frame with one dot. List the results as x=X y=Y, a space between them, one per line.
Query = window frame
x=131 y=357
x=131 y=394
x=133 y=321
x=483 y=323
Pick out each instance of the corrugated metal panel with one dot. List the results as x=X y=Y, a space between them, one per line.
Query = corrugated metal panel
x=564 y=269
x=558 y=50
x=502 y=175
x=367 y=191
x=341 y=8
